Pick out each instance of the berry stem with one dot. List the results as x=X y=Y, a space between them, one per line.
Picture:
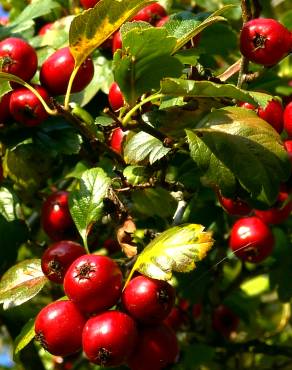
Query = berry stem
x=69 y=87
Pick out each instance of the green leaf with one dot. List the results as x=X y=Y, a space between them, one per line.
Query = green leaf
x=35 y=10
x=21 y=283
x=240 y=147
x=144 y=60
x=7 y=204
x=136 y=175
x=142 y=146
x=176 y=249
x=154 y=202
x=24 y=338
x=204 y=89
x=86 y=203
x=4 y=88
x=92 y=27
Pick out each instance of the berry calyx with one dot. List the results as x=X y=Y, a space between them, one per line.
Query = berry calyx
x=58 y=327
x=264 y=41
x=151 y=13
x=148 y=300
x=115 y=97
x=18 y=58
x=56 y=218
x=94 y=283
x=57 y=69
x=26 y=108
x=109 y=338
x=251 y=239
x=287 y=118
x=224 y=321
x=58 y=257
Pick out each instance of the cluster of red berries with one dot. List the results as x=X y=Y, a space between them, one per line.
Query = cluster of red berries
x=20 y=59
x=134 y=334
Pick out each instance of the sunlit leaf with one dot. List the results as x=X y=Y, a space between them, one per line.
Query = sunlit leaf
x=177 y=249
x=24 y=338
x=21 y=283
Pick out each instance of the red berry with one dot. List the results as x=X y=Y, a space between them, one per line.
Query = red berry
x=112 y=246
x=26 y=108
x=247 y=105
x=58 y=257
x=45 y=28
x=224 y=321
x=115 y=97
x=197 y=310
x=18 y=58
x=117 y=41
x=94 y=283
x=235 y=207
x=116 y=140
x=4 y=21
x=288 y=148
x=151 y=13
x=58 y=327
x=5 y=115
x=265 y=41
x=176 y=319
x=251 y=239
x=287 y=118
x=56 y=218
x=278 y=213
x=148 y=300
x=162 y=21
x=56 y=71
x=156 y=349
x=86 y=4
x=109 y=338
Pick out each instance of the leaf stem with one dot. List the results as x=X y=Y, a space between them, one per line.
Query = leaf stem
x=69 y=87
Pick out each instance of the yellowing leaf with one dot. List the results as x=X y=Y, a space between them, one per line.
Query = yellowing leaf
x=91 y=28
x=177 y=249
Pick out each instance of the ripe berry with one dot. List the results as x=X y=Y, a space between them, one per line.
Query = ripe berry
x=197 y=311
x=94 y=283
x=26 y=108
x=287 y=118
x=157 y=348
x=176 y=319
x=109 y=338
x=162 y=21
x=56 y=71
x=273 y=113
x=235 y=207
x=86 y=4
x=58 y=327
x=58 y=257
x=148 y=300
x=112 y=246
x=56 y=218
x=116 y=140
x=117 y=41
x=151 y=13
x=115 y=97
x=45 y=28
x=278 y=213
x=265 y=41
x=224 y=320
x=18 y=58
x=5 y=115
x=288 y=148
x=251 y=239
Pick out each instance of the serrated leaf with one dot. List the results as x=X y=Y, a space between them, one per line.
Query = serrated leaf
x=142 y=146
x=180 y=87
x=86 y=203
x=92 y=27
x=239 y=146
x=24 y=338
x=21 y=283
x=137 y=174
x=144 y=60
x=176 y=249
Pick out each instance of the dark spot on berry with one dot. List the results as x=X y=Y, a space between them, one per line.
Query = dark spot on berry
x=103 y=356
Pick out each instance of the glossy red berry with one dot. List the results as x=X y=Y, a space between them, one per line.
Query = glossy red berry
x=176 y=319
x=115 y=97
x=151 y=13
x=86 y=4
x=251 y=239
x=58 y=257
x=116 y=140
x=288 y=148
x=157 y=348
x=148 y=300
x=56 y=218
x=117 y=41
x=26 y=108
x=162 y=21
x=94 y=283
x=56 y=71
x=287 y=118
x=59 y=326
x=225 y=321
x=18 y=58
x=45 y=28
x=279 y=213
x=235 y=207
x=5 y=115
x=265 y=41
x=109 y=338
